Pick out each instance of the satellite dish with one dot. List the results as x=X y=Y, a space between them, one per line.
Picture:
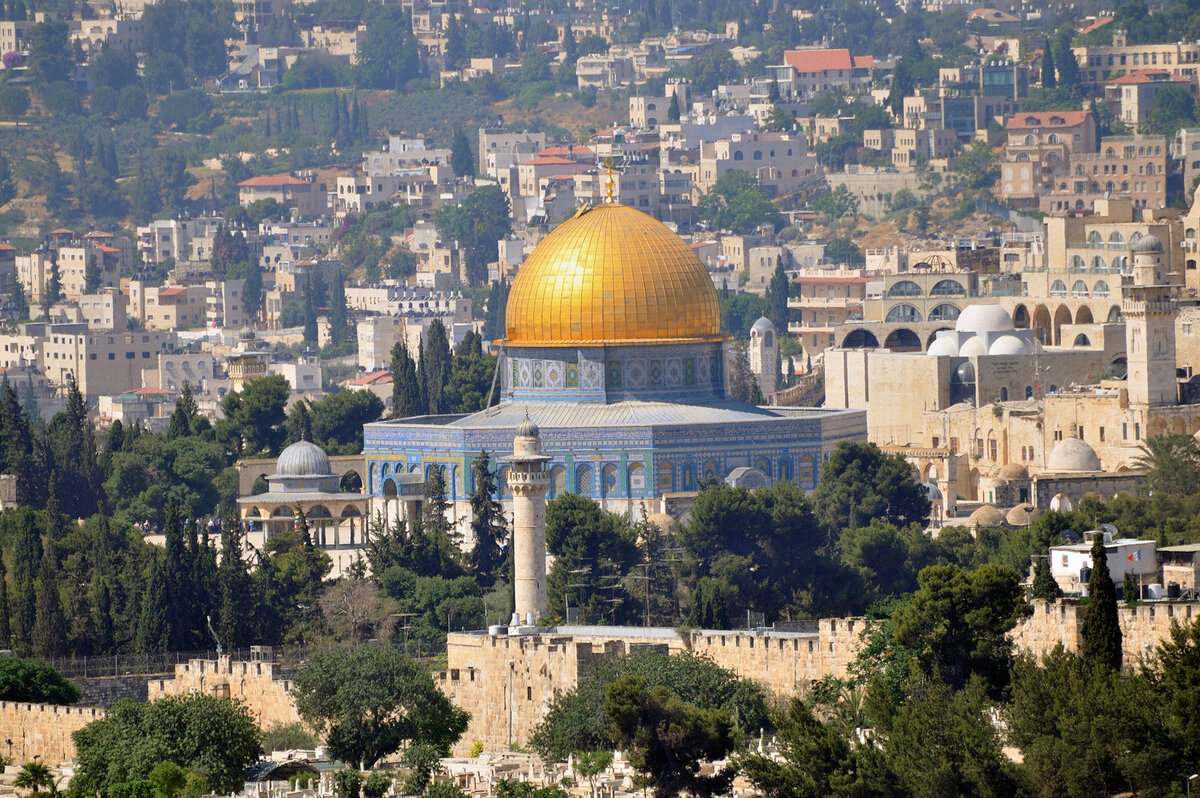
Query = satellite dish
x=1070 y=536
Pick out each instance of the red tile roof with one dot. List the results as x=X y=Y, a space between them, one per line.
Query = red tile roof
x=174 y=291
x=1147 y=76
x=565 y=152
x=550 y=161
x=152 y=392
x=1099 y=23
x=1033 y=119
x=272 y=181
x=373 y=378
x=62 y=231
x=808 y=61
x=7 y=247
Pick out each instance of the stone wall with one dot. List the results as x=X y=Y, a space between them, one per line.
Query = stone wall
x=42 y=730
x=1143 y=628
x=507 y=683
x=259 y=684
x=105 y=691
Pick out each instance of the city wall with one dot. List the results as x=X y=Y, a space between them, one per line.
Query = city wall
x=507 y=683
x=260 y=685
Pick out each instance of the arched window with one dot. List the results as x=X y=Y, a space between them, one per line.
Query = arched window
x=558 y=481
x=1100 y=289
x=1053 y=138
x=944 y=312
x=1077 y=264
x=609 y=484
x=807 y=477
x=758 y=155
x=948 y=288
x=737 y=156
x=905 y=288
x=1094 y=238
x=1059 y=288
x=502 y=483
x=1028 y=139
x=1079 y=289
x=1116 y=238
x=635 y=478
x=1082 y=340
x=785 y=469
x=585 y=481
x=903 y=314
x=664 y=475
x=1098 y=264
x=1003 y=393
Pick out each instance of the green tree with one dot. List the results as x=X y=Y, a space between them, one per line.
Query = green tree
x=35 y=683
x=339 y=328
x=49 y=628
x=777 y=299
x=1172 y=465
x=337 y=420
x=50 y=59
x=14 y=101
x=477 y=224
x=959 y=622
x=216 y=738
x=593 y=550
x=488 y=526
x=859 y=483
x=462 y=160
x=370 y=701
x=34 y=776
x=817 y=761
x=1044 y=585
x=53 y=291
x=736 y=202
x=254 y=418
x=667 y=740
x=406 y=387
x=1100 y=632
x=979 y=165
x=233 y=619
x=1049 y=81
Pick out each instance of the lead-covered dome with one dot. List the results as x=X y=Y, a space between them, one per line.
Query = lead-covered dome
x=302 y=459
x=612 y=275
x=1073 y=454
x=1148 y=245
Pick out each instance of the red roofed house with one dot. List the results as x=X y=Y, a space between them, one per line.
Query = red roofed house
x=305 y=197
x=1037 y=149
x=1132 y=97
x=806 y=73
x=530 y=173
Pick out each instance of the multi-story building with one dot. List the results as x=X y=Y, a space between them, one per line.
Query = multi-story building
x=102 y=361
x=1186 y=149
x=805 y=73
x=224 y=304
x=302 y=196
x=1100 y=63
x=1124 y=166
x=780 y=161
x=821 y=299
x=174 y=238
x=907 y=147
x=1132 y=97
x=169 y=307
x=1036 y=151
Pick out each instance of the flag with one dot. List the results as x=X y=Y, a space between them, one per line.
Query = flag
x=1134 y=557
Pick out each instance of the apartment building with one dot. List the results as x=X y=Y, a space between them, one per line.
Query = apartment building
x=1131 y=98
x=175 y=238
x=821 y=299
x=302 y=196
x=1037 y=148
x=807 y=72
x=780 y=161
x=1099 y=64
x=102 y=361
x=1124 y=166
x=169 y=307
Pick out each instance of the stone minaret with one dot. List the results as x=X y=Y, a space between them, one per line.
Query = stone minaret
x=1150 y=305
x=528 y=480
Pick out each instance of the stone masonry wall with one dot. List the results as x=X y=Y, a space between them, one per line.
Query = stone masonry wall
x=1143 y=627
x=258 y=684
x=42 y=730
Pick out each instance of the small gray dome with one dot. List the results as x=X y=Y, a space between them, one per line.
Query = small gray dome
x=762 y=326
x=1073 y=454
x=1148 y=245
x=246 y=334
x=527 y=429
x=302 y=459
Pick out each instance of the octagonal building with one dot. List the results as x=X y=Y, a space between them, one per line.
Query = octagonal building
x=613 y=347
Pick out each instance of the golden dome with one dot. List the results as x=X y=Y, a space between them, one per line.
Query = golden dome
x=612 y=275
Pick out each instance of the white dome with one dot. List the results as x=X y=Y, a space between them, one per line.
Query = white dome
x=302 y=459
x=1072 y=454
x=945 y=345
x=983 y=318
x=973 y=347
x=1007 y=345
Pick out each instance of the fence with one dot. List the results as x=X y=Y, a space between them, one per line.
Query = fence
x=286 y=658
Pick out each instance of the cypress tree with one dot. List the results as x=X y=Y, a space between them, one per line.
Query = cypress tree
x=49 y=629
x=406 y=389
x=310 y=313
x=436 y=365
x=1044 y=585
x=1100 y=634
x=103 y=637
x=777 y=298
x=233 y=619
x=53 y=292
x=1048 y=79
x=488 y=526
x=27 y=560
x=153 y=628
x=5 y=631
x=339 y=331
x=355 y=121
x=177 y=584
x=185 y=411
